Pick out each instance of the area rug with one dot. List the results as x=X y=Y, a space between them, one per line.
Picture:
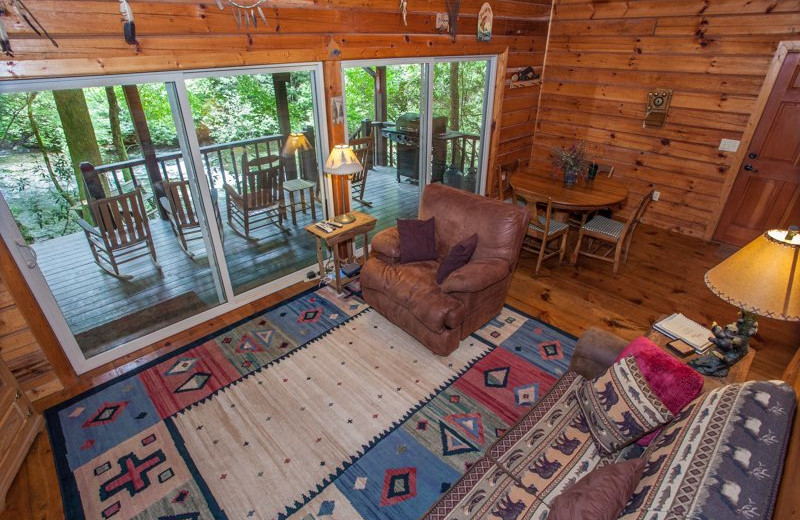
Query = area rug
x=315 y=408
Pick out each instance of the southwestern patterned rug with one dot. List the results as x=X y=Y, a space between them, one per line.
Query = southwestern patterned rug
x=315 y=408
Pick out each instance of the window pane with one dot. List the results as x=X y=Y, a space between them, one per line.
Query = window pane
x=96 y=182
x=266 y=191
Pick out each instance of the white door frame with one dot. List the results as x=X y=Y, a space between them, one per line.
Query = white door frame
x=426 y=105
x=187 y=136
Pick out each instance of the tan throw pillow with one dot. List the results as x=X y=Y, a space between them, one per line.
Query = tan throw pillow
x=600 y=495
x=620 y=407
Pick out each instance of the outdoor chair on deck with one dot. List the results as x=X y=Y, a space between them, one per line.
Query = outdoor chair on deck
x=358 y=183
x=260 y=202
x=543 y=231
x=122 y=230
x=180 y=210
x=605 y=236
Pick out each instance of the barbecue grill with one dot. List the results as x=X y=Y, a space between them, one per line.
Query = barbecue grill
x=406 y=134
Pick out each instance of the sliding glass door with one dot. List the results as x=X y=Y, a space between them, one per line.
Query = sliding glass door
x=136 y=206
x=426 y=122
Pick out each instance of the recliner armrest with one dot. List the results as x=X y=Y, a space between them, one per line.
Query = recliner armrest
x=476 y=275
x=386 y=245
x=595 y=351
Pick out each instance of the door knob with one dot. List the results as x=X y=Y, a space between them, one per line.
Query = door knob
x=749 y=167
x=752 y=155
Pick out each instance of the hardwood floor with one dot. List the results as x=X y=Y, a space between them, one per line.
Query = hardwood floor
x=664 y=274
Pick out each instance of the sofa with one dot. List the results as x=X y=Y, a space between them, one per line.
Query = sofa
x=407 y=294
x=721 y=457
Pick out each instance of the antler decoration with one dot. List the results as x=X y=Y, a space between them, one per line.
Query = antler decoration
x=128 y=28
x=25 y=14
x=244 y=12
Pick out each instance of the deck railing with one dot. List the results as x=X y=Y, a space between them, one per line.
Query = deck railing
x=222 y=164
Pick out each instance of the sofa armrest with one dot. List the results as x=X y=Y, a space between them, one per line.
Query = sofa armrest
x=386 y=245
x=595 y=351
x=476 y=275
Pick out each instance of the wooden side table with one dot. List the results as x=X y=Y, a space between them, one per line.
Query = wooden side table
x=736 y=374
x=361 y=226
x=300 y=185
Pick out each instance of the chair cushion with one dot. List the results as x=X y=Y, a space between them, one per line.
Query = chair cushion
x=620 y=407
x=458 y=256
x=675 y=383
x=555 y=226
x=417 y=240
x=600 y=495
x=413 y=286
x=606 y=226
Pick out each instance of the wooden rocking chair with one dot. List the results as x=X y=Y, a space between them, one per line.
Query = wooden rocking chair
x=358 y=183
x=177 y=203
x=122 y=229
x=260 y=202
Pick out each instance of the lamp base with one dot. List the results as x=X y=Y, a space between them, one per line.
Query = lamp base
x=344 y=218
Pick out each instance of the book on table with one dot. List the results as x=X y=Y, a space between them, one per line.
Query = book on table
x=678 y=326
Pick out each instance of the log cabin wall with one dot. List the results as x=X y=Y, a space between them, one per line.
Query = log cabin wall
x=186 y=34
x=22 y=353
x=602 y=59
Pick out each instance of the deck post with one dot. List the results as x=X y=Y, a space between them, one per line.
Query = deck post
x=146 y=144
x=279 y=82
x=379 y=157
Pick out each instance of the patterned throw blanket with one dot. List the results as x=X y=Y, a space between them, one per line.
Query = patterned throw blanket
x=317 y=407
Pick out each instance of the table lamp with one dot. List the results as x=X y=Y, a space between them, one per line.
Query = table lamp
x=294 y=142
x=762 y=278
x=342 y=162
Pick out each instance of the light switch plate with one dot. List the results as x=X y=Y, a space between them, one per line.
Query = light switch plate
x=729 y=145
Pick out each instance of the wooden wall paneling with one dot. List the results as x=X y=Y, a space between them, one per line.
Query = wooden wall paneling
x=603 y=58
x=496 y=122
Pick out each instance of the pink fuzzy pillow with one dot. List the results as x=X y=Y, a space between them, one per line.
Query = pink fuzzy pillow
x=675 y=383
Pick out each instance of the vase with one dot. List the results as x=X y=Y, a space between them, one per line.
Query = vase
x=570 y=177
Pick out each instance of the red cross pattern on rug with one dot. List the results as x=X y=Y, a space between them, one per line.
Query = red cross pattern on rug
x=134 y=476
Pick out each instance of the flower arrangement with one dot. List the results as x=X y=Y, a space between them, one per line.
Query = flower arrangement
x=571 y=161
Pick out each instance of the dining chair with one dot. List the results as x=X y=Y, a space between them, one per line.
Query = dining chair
x=543 y=231
x=608 y=239
x=577 y=219
x=260 y=202
x=504 y=173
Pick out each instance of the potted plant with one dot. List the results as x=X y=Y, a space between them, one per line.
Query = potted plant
x=571 y=161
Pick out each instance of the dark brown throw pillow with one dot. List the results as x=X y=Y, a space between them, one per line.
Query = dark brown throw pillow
x=600 y=495
x=458 y=256
x=417 y=240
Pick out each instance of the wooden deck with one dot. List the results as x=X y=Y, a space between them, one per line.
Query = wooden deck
x=104 y=311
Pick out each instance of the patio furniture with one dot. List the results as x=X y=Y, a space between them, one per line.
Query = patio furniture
x=177 y=203
x=122 y=230
x=358 y=182
x=260 y=202
x=299 y=186
x=612 y=235
x=543 y=230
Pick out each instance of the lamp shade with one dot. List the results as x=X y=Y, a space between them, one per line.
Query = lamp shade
x=763 y=277
x=295 y=141
x=342 y=161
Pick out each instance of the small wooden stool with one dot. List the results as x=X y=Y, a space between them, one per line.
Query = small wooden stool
x=300 y=185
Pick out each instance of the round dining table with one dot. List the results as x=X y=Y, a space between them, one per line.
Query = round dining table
x=602 y=192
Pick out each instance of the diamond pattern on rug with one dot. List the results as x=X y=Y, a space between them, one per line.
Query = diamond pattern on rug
x=321 y=428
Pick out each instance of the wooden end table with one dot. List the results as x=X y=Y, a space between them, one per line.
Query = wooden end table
x=736 y=374
x=361 y=226
x=300 y=185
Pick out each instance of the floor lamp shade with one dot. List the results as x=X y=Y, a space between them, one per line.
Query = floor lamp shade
x=763 y=277
x=295 y=141
x=342 y=162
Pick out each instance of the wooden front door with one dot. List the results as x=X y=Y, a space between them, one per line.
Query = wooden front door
x=766 y=193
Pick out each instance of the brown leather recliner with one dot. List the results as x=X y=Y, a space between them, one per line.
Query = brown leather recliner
x=407 y=294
